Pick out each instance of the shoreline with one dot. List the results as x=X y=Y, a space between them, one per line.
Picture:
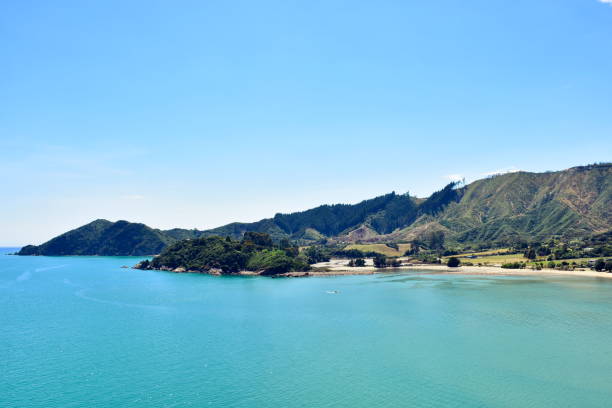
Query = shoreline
x=499 y=271
x=339 y=267
x=445 y=270
x=342 y=270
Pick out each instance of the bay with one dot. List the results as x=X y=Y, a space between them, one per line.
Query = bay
x=85 y=332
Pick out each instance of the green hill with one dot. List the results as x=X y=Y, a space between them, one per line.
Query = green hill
x=574 y=202
x=495 y=211
x=329 y=220
x=102 y=237
x=254 y=252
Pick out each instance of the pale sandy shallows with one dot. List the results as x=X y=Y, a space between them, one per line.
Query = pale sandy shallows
x=339 y=267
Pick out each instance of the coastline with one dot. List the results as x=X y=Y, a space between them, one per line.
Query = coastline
x=496 y=270
x=334 y=268
x=338 y=267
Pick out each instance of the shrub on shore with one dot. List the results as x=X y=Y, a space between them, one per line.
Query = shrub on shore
x=359 y=262
x=380 y=261
x=453 y=262
x=394 y=262
x=513 y=265
x=428 y=258
x=602 y=265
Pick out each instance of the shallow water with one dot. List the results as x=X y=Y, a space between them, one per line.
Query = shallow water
x=83 y=332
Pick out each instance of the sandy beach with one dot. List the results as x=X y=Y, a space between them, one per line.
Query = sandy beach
x=496 y=270
x=337 y=267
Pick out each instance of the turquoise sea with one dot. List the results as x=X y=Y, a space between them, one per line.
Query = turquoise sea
x=83 y=332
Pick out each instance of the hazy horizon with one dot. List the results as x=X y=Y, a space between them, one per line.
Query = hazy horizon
x=210 y=113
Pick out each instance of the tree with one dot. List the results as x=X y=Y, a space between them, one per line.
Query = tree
x=414 y=248
x=530 y=253
x=144 y=264
x=435 y=240
x=359 y=262
x=271 y=262
x=380 y=261
x=517 y=243
x=316 y=254
x=258 y=238
x=348 y=253
x=543 y=251
x=292 y=251
x=600 y=265
x=453 y=262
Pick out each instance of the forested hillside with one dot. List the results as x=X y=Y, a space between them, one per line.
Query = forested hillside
x=493 y=211
x=254 y=252
x=102 y=237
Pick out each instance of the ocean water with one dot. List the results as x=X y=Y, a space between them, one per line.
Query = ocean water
x=83 y=332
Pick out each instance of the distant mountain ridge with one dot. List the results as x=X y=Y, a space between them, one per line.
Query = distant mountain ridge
x=521 y=205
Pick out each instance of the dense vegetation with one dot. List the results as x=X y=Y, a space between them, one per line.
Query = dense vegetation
x=511 y=210
x=315 y=254
x=383 y=213
x=255 y=252
x=382 y=261
x=103 y=237
x=359 y=262
x=453 y=262
x=602 y=265
x=598 y=245
x=498 y=211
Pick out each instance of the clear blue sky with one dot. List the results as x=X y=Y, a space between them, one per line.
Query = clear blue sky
x=199 y=113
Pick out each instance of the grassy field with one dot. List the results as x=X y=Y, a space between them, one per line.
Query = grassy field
x=483 y=257
x=485 y=253
x=496 y=260
x=380 y=248
x=488 y=257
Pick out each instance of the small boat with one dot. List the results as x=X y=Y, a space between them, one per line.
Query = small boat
x=333 y=292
